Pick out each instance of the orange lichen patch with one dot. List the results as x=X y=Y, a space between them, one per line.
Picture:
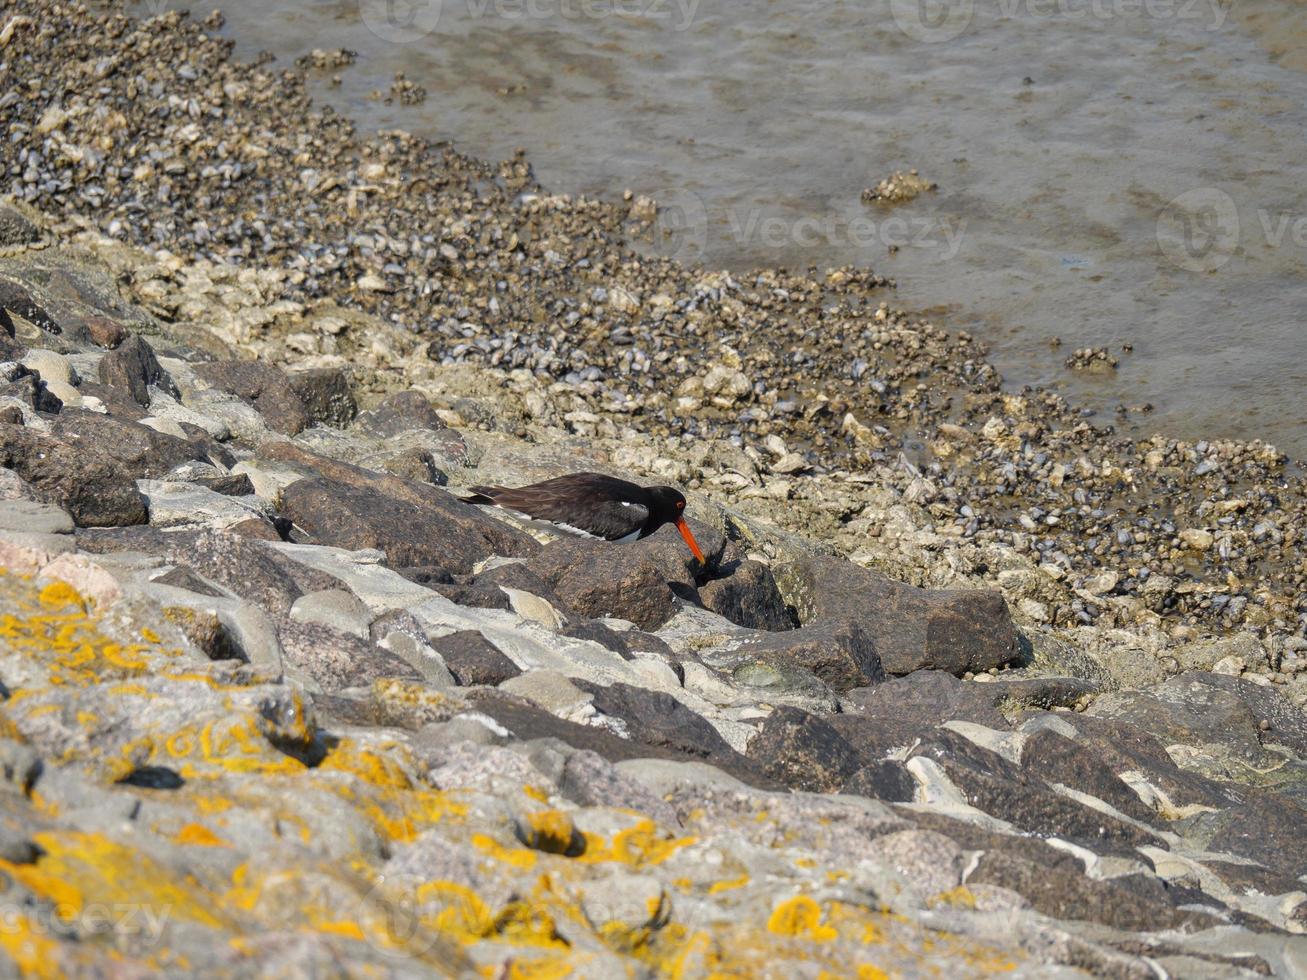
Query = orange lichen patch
x=718 y=887
x=641 y=845
x=199 y=835
x=34 y=954
x=60 y=595
x=53 y=626
x=457 y=911
x=960 y=897
x=462 y=914
x=800 y=917
x=350 y=930
x=150 y=636
x=370 y=766
x=536 y=793
x=229 y=744
x=243 y=893
x=89 y=868
x=553 y=832
x=518 y=857
x=381 y=789
x=211 y=804
x=544 y=968
x=8 y=729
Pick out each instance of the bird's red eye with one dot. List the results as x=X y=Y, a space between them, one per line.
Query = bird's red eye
x=680 y=505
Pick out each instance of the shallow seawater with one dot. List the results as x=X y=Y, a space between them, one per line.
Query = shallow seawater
x=1109 y=172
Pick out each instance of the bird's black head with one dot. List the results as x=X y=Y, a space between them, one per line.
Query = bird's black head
x=669 y=508
x=668 y=504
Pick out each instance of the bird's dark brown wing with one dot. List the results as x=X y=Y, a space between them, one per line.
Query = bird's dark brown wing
x=589 y=502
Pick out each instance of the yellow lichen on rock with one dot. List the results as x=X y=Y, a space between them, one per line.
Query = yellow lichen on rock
x=800 y=917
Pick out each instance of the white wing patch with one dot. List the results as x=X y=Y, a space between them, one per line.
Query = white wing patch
x=573 y=530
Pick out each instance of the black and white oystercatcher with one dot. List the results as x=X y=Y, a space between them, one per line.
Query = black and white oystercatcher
x=595 y=505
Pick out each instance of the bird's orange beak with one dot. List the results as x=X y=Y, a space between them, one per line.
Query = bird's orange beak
x=689 y=539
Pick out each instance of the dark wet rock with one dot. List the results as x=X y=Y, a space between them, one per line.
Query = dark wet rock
x=658 y=719
x=1252 y=877
x=1003 y=790
x=104 y=331
x=118 y=402
x=184 y=577
x=425 y=526
x=838 y=652
x=588 y=779
x=24 y=384
x=415 y=464
x=803 y=752
x=16 y=299
x=929 y=697
x=410 y=534
x=140 y=450
x=944 y=629
x=337 y=660
x=256 y=529
x=95 y=489
x=1265 y=826
x=1126 y=749
x=204 y=629
x=134 y=367
x=1055 y=758
x=886 y=780
x=400 y=412
x=10 y=349
x=429 y=575
x=598 y=579
x=628 y=643
x=748 y=596
x=874 y=737
x=246 y=567
x=326 y=394
x=474 y=595
x=228 y=484
x=473 y=659
x=1015 y=694
x=15 y=229
x=1188 y=710
x=1279 y=720
x=516 y=575
x=527 y=721
x=262 y=386
x=1061 y=889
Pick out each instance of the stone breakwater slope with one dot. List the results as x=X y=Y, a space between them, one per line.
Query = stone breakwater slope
x=272 y=700
x=971 y=685
x=148 y=132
